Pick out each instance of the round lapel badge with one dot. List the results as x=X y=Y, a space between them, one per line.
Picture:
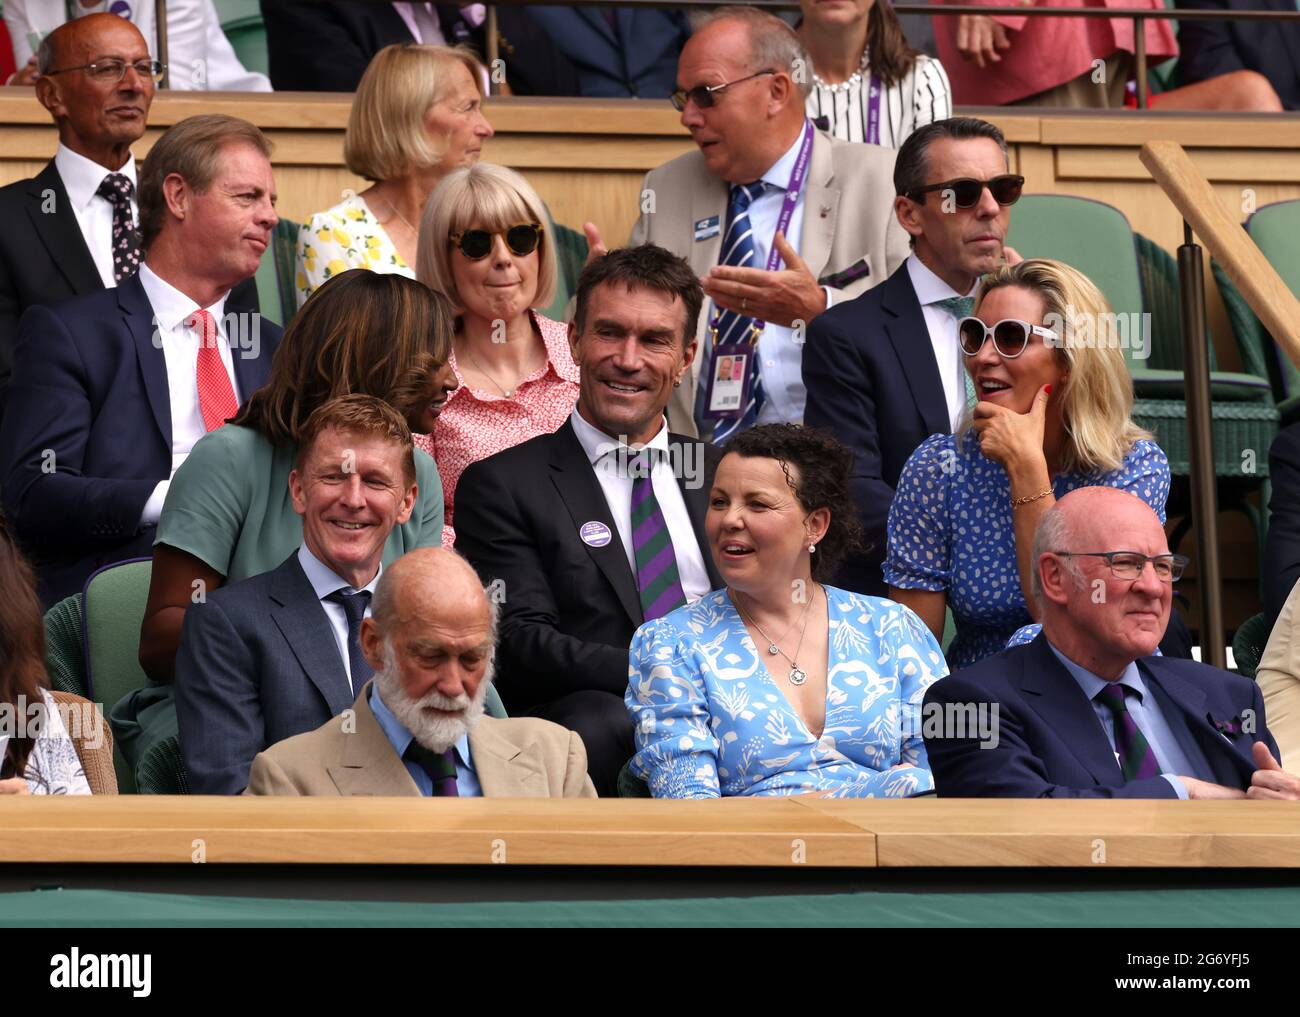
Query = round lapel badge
x=594 y=533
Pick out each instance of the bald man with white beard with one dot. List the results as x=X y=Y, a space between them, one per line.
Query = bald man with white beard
x=418 y=728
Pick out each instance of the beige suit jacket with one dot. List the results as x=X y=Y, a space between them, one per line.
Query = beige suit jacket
x=350 y=755
x=848 y=224
x=1278 y=677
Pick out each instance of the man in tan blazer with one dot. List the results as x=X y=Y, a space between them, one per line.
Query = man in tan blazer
x=419 y=727
x=744 y=77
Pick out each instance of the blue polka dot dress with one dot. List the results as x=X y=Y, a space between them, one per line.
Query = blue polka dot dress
x=951 y=530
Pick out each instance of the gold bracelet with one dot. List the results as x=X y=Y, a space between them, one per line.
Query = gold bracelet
x=1017 y=502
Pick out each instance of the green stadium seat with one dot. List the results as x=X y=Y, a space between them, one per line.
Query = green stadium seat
x=65 y=661
x=276 y=281
x=1248 y=644
x=241 y=20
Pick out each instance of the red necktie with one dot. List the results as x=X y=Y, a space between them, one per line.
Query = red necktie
x=217 y=400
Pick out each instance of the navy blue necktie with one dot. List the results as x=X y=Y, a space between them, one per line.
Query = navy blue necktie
x=354 y=607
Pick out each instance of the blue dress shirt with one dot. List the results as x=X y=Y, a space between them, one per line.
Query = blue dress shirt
x=1175 y=756
x=467 y=785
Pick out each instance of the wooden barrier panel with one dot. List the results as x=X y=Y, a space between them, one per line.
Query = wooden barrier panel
x=774 y=833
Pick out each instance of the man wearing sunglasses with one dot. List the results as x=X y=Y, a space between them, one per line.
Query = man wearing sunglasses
x=71 y=229
x=884 y=371
x=1085 y=710
x=761 y=170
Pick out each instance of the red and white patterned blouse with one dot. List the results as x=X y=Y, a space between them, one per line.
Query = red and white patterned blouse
x=476 y=424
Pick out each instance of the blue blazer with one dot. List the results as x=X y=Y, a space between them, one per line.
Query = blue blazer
x=87 y=432
x=639 y=62
x=873 y=383
x=258 y=663
x=1207 y=49
x=1050 y=743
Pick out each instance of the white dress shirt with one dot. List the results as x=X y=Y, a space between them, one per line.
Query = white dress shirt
x=324 y=582
x=942 y=326
x=780 y=358
x=81 y=179
x=180 y=346
x=602 y=453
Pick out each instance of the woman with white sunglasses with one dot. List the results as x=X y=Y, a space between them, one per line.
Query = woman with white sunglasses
x=1051 y=411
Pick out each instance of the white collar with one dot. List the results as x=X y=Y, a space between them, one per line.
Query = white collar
x=170 y=305
x=930 y=289
x=597 y=444
x=324 y=580
x=81 y=176
x=778 y=174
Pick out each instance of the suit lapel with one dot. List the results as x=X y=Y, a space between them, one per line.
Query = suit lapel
x=905 y=325
x=697 y=496
x=505 y=770
x=250 y=372
x=581 y=493
x=59 y=232
x=1055 y=696
x=595 y=17
x=818 y=233
x=1230 y=767
x=139 y=319
x=369 y=765
x=306 y=628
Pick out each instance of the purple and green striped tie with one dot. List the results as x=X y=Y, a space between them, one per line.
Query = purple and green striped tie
x=1137 y=761
x=652 y=546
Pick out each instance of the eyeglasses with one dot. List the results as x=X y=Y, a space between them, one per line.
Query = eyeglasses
x=1010 y=336
x=477 y=244
x=703 y=95
x=1130 y=564
x=967 y=191
x=113 y=69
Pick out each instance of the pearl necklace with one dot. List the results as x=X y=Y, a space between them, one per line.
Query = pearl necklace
x=843 y=86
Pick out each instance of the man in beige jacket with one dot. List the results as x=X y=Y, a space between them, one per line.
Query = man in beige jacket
x=418 y=728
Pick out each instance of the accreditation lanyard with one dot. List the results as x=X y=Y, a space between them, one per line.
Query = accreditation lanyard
x=873 y=110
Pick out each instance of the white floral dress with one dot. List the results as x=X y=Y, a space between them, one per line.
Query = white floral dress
x=343 y=237
x=54 y=768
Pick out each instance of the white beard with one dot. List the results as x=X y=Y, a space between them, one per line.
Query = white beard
x=435 y=733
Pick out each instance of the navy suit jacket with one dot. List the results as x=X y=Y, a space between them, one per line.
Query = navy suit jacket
x=258 y=663
x=1281 y=562
x=87 y=433
x=639 y=62
x=873 y=382
x=1210 y=48
x=1050 y=743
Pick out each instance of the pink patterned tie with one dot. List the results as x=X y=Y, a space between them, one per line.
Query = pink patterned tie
x=217 y=400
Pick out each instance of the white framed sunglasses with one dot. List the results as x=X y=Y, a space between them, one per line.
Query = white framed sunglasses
x=1010 y=336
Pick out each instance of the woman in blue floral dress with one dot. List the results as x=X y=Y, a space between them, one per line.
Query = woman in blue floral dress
x=779 y=684
x=1053 y=414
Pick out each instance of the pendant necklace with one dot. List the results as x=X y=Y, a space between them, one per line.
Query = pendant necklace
x=797 y=674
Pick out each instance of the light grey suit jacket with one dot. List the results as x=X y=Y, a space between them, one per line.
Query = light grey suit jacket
x=851 y=239
x=350 y=755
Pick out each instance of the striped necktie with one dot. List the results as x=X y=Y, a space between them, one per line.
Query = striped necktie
x=733 y=327
x=657 y=578
x=1137 y=761
x=961 y=307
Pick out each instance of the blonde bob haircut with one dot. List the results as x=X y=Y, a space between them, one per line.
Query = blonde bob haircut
x=1097 y=400
x=387 y=135
x=481 y=197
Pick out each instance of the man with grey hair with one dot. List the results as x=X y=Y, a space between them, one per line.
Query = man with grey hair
x=419 y=727
x=780 y=220
x=1086 y=710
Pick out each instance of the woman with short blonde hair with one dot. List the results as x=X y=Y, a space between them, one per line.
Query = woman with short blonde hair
x=1052 y=412
x=416 y=116
x=485 y=242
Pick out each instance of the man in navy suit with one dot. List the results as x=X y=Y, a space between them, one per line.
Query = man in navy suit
x=110 y=390
x=1210 y=48
x=884 y=371
x=279 y=654
x=1085 y=710
x=625 y=52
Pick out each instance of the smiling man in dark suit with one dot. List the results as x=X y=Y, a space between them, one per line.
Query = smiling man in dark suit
x=64 y=229
x=586 y=533
x=884 y=370
x=112 y=389
x=1086 y=710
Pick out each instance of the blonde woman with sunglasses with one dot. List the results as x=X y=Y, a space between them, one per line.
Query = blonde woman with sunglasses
x=484 y=244
x=1051 y=412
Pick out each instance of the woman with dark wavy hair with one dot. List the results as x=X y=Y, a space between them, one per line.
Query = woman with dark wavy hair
x=779 y=684
x=229 y=514
x=858 y=51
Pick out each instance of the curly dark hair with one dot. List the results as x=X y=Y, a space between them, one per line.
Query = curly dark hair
x=823 y=465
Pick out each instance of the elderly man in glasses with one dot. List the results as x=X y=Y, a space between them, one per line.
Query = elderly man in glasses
x=1085 y=710
x=779 y=220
